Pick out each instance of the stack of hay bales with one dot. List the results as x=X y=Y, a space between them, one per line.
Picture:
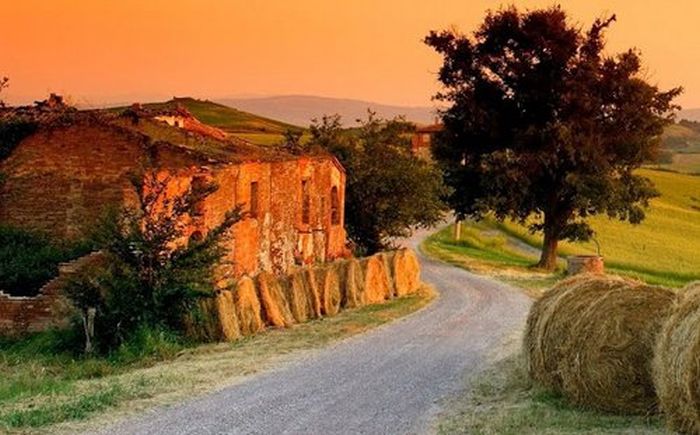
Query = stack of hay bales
x=307 y=293
x=591 y=338
x=677 y=363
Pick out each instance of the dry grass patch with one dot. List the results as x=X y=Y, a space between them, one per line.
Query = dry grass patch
x=57 y=404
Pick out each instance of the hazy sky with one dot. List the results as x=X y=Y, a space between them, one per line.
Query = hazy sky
x=102 y=50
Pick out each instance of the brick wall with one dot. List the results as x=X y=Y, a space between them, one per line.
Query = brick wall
x=21 y=315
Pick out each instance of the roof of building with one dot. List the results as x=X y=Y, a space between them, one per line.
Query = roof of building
x=433 y=128
x=199 y=143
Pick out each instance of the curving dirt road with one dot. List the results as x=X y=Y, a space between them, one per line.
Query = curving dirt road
x=390 y=380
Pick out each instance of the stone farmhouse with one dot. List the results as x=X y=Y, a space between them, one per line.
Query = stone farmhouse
x=60 y=178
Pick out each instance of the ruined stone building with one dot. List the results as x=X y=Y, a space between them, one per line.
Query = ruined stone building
x=60 y=178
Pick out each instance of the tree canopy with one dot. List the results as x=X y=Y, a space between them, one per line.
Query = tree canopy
x=388 y=189
x=543 y=127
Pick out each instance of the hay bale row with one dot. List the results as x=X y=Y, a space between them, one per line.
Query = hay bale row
x=676 y=365
x=306 y=294
x=591 y=338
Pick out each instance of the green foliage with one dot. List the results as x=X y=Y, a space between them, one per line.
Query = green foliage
x=150 y=278
x=28 y=260
x=542 y=123
x=388 y=189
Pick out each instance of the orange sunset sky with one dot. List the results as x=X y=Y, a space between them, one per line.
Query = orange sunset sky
x=101 y=51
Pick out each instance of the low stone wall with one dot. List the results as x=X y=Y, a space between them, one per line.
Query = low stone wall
x=312 y=292
x=20 y=314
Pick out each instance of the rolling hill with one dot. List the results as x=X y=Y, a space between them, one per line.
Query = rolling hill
x=257 y=129
x=301 y=109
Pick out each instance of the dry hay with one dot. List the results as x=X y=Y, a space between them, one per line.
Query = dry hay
x=352 y=283
x=314 y=293
x=377 y=285
x=676 y=366
x=275 y=306
x=213 y=319
x=388 y=257
x=301 y=296
x=406 y=272
x=248 y=307
x=328 y=280
x=547 y=327
x=608 y=355
x=226 y=313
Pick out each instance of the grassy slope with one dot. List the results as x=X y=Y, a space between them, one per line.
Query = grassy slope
x=257 y=129
x=661 y=250
x=41 y=389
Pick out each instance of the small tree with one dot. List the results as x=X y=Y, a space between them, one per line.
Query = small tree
x=388 y=189
x=541 y=123
x=152 y=277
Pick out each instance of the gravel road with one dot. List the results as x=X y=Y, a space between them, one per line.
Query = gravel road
x=391 y=380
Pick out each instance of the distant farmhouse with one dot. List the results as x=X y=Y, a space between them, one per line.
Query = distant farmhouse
x=61 y=177
x=422 y=139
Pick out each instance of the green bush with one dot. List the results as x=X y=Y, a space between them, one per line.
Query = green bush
x=150 y=279
x=30 y=259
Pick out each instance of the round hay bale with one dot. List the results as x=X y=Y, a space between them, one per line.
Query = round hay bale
x=607 y=356
x=247 y=305
x=388 y=257
x=353 y=284
x=297 y=291
x=547 y=327
x=313 y=292
x=406 y=272
x=676 y=366
x=275 y=307
x=328 y=281
x=377 y=285
x=202 y=322
x=226 y=312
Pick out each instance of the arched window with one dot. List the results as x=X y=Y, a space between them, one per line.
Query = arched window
x=335 y=206
x=196 y=237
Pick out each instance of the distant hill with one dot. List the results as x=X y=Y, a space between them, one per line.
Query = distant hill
x=689 y=114
x=301 y=109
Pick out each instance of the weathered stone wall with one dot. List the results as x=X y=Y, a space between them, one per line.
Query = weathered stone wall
x=58 y=180
x=61 y=180
x=310 y=292
x=21 y=315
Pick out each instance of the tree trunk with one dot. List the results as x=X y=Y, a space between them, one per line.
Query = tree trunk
x=548 y=260
x=89 y=328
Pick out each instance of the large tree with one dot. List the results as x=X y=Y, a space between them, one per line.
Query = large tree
x=543 y=127
x=389 y=191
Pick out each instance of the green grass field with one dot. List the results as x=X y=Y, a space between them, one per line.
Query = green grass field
x=662 y=250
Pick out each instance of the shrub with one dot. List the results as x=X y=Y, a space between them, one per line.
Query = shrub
x=151 y=279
